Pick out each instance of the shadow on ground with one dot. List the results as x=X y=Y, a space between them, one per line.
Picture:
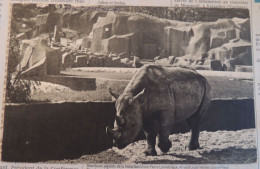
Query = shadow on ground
x=230 y=155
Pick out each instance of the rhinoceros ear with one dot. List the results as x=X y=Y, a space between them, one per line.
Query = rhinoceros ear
x=140 y=96
x=113 y=94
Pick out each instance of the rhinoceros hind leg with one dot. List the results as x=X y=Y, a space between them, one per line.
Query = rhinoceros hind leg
x=194 y=124
x=195 y=120
x=194 y=146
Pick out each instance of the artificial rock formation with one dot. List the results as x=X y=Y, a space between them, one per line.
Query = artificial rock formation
x=39 y=59
x=128 y=34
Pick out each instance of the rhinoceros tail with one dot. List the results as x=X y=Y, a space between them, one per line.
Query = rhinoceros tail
x=205 y=101
x=202 y=109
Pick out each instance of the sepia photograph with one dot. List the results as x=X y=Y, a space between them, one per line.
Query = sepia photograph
x=129 y=85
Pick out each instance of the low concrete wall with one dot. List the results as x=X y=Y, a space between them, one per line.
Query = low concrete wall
x=53 y=131
x=225 y=115
x=73 y=82
x=49 y=131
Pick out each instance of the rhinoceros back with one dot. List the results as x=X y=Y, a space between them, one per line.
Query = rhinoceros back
x=180 y=88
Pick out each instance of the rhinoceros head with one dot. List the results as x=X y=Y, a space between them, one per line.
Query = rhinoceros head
x=128 y=122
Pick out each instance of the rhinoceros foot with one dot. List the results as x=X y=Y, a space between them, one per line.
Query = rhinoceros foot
x=165 y=147
x=194 y=146
x=150 y=152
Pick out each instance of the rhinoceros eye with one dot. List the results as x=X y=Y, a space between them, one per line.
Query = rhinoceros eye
x=133 y=125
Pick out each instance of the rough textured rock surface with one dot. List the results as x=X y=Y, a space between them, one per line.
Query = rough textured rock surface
x=218 y=40
x=213 y=64
x=39 y=59
x=81 y=61
x=67 y=60
x=145 y=36
x=136 y=34
x=241 y=59
x=45 y=23
x=242 y=68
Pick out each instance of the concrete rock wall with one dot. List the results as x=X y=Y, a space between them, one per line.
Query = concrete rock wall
x=45 y=23
x=39 y=59
x=47 y=131
x=140 y=35
x=147 y=36
x=153 y=37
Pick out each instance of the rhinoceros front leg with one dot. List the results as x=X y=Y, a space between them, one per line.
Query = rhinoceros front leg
x=151 y=140
x=151 y=129
x=166 y=121
x=164 y=142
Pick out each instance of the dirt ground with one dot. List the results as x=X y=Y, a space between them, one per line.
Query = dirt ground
x=220 y=147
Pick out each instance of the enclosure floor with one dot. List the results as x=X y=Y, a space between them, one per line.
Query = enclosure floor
x=103 y=71
x=220 y=147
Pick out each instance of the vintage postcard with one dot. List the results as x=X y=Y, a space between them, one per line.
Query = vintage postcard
x=109 y=86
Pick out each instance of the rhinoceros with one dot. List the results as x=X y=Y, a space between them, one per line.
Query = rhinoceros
x=155 y=99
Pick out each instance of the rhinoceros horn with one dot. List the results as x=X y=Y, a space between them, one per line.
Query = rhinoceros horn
x=120 y=120
x=140 y=96
x=113 y=133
